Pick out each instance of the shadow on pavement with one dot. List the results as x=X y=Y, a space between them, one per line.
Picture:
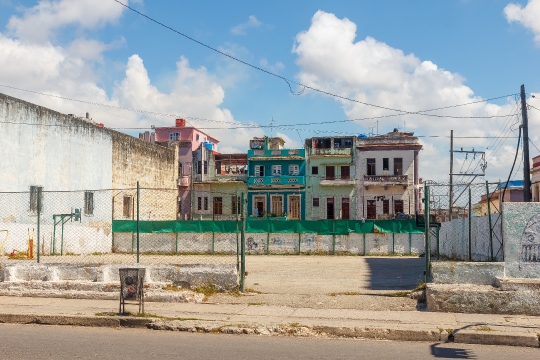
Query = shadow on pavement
x=395 y=273
x=451 y=353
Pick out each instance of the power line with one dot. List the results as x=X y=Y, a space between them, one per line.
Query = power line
x=288 y=81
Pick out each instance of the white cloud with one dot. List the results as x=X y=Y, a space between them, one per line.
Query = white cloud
x=528 y=16
x=371 y=71
x=28 y=60
x=40 y=22
x=240 y=29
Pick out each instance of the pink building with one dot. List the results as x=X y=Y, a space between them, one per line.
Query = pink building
x=189 y=140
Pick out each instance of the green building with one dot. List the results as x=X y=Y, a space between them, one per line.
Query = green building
x=276 y=180
x=330 y=178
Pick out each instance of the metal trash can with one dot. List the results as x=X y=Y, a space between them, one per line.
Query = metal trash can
x=131 y=288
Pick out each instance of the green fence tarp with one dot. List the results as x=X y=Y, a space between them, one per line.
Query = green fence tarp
x=398 y=227
x=320 y=227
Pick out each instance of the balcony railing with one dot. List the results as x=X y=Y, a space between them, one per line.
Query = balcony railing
x=183 y=181
x=337 y=181
x=231 y=177
x=276 y=180
x=276 y=153
x=386 y=179
x=332 y=151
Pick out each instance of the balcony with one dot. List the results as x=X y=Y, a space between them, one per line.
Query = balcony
x=230 y=177
x=331 y=152
x=277 y=181
x=261 y=153
x=386 y=180
x=183 y=180
x=335 y=181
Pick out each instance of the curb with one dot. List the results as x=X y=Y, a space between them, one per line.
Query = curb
x=75 y=320
x=206 y=326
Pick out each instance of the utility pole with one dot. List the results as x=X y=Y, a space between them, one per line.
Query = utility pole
x=526 y=163
x=451 y=194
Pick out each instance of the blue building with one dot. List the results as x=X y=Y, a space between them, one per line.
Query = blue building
x=276 y=180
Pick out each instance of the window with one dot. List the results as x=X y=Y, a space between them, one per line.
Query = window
x=205 y=203
x=277 y=204
x=235 y=205
x=315 y=202
x=371 y=209
x=398 y=206
x=173 y=136
x=199 y=167
x=398 y=166
x=35 y=192
x=345 y=210
x=199 y=203
x=128 y=206
x=345 y=172
x=218 y=206
x=385 y=165
x=330 y=173
x=371 y=167
x=293 y=169
x=386 y=207
x=314 y=170
x=180 y=169
x=330 y=208
x=179 y=209
x=259 y=170
x=88 y=203
x=205 y=166
x=276 y=169
x=197 y=137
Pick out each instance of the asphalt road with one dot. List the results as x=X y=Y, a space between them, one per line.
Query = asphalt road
x=64 y=342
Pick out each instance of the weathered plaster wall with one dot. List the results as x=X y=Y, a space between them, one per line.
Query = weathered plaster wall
x=521 y=226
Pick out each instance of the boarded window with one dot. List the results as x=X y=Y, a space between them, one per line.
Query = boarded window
x=345 y=210
x=330 y=173
x=370 y=167
x=35 y=192
x=277 y=205
x=88 y=203
x=128 y=206
x=345 y=172
x=398 y=166
x=218 y=205
x=386 y=207
x=371 y=209
x=398 y=206
x=314 y=170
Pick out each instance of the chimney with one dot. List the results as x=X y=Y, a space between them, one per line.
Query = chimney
x=180 y=122
x=88 y=116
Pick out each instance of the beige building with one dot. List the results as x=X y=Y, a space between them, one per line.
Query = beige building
x=387 y=168
x=535 y=175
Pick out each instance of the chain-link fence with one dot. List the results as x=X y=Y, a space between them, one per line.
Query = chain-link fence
x=469 y=221
x=107 y=227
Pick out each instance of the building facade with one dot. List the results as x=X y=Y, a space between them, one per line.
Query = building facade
x=535 y=175
x=388 y=185
x=330 y=178
x=276 y=180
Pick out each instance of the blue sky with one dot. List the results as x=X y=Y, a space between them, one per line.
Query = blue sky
x=412 y=55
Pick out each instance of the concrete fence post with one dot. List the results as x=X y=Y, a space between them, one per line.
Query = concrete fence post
x=427 y=233
x=138 y=203
x=38 y=224
x=243 y=246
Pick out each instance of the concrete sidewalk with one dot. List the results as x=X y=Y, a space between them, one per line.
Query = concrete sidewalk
x=280 y=320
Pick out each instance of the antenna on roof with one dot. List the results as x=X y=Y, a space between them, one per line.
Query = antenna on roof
x=272 y=127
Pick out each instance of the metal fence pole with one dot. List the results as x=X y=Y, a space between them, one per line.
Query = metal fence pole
x=38 y=223
x=299 y=241
x=138 y=202
x=490 y=226
x=364 y=240
x=237 y=207
x=438 y=243
x=393 y=244
x=470 y=220
x=427 y=231
x=410 y=243
x=243 y=247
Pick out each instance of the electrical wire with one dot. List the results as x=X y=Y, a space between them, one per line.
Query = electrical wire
x=288 y=81
x=512 y=169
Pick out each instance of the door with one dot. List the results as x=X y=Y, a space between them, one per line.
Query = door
x=294 y=207
x=330 y=208
x=371 y=209
x=345 y=208
x=330 y=173
x=259 y=206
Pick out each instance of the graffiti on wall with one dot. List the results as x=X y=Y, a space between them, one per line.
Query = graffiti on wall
x=252 y=244
x=530 y=240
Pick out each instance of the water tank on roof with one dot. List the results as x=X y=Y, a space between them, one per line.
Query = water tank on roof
x=208 y=145
x=362 y=136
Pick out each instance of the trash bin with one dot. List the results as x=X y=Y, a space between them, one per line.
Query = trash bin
x=131 y=288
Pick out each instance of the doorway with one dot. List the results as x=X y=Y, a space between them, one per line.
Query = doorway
x=294 y=207
x=330 y=208
x=371 y=210
x=345 y=208
x=259 y=207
